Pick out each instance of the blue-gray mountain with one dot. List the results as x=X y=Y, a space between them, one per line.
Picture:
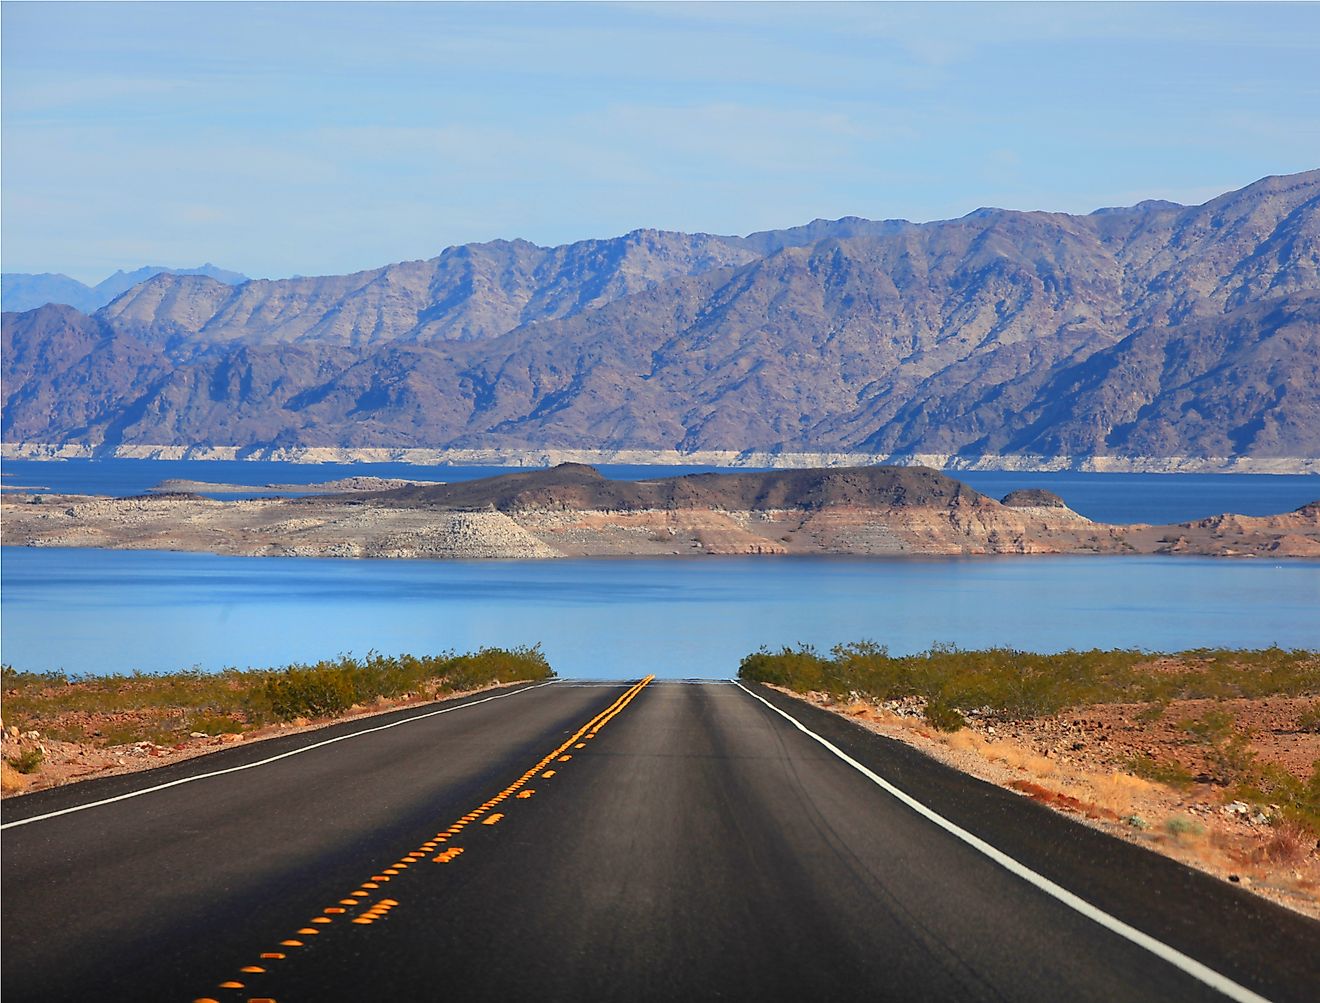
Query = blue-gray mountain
x=1152 y=331
x=22 y=291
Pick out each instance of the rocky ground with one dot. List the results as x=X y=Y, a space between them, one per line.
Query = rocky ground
x=1078 y=762
x=272 y=527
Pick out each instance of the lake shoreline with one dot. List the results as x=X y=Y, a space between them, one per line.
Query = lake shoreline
x=731 y=459
x=573 y=510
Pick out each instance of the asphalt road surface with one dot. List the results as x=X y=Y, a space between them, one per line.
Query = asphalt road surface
x=670 y=841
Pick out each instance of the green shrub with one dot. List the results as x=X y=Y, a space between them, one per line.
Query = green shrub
x=1227 y=749
x=1298 y=799
x=497 y=665
x=942 y=717
x=1179 y=826
x=1164 y=771
x=315 y=691
x=165 y=707
x=1023 y=685
x=801 y=669
x=27 y=761
x=1309 y=719
x=1152 y=712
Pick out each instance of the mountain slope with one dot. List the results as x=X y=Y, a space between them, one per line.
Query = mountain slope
x=24 y=291
x=468 y=292
x=1154 y=331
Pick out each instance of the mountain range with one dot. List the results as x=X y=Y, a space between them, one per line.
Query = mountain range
x=21 y=291
x=1153 y=333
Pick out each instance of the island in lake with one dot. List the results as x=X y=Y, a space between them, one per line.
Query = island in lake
x=574 y=511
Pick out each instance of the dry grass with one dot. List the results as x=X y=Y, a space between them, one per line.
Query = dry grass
x=1119 y=792
x=1289 y=845
x=10 y=779
x=1003 y=751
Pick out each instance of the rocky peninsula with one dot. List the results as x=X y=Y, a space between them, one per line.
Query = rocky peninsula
x=573 y=511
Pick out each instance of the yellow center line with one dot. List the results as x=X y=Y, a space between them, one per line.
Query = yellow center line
x=378 y=911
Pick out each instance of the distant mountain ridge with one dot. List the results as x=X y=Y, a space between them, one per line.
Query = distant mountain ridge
x=1149 y=332
x=26 y=291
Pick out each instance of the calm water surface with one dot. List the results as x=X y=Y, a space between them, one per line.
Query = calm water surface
x=1115 y=498
x=99 y=611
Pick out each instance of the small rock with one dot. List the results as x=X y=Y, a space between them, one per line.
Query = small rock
x=198 y=734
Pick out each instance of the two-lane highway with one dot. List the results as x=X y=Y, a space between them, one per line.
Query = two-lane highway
x=646 y=840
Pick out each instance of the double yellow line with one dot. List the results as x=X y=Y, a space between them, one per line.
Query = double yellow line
x=519 y=788
x=374 y=912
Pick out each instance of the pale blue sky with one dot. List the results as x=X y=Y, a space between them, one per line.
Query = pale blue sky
x=304 y=138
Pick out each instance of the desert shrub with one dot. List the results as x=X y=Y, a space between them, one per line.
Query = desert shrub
x=212 y=724
x=1309 y=719
x=27 y=761
x=164 y=707
x=1298 y=799
x=313 y=691
x=1290 y=843
x=1227 y=749
x=1164 y=771
x=801 y=669
x=1178 y=826
x=1022 y=685
x=942 y=717
x=497 y=665
x=1152 y=712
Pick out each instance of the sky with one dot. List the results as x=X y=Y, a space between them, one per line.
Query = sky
x=279 y=139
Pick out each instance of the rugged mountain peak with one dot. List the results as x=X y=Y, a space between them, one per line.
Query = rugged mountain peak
x=1158 y=333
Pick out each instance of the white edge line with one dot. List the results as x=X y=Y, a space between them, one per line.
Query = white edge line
x=1191 y=966
x=264 y=762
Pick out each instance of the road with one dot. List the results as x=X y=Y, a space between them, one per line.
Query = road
x=670 y=841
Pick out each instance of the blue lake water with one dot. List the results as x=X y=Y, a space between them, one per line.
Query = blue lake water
x=1117 y=498
x=100 y=611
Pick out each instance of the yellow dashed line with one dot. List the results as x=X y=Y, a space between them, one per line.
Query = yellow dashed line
x=381 y=908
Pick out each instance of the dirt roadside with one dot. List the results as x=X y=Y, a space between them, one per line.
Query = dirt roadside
x=1073 y=762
